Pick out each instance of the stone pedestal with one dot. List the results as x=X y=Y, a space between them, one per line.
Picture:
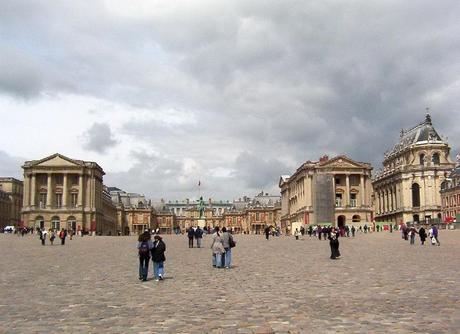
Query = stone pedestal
x=201 y=223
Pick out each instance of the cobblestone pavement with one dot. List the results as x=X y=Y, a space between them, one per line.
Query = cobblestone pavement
x=380 y=285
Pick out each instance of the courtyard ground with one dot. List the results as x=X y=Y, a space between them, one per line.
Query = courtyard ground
x=380 y=285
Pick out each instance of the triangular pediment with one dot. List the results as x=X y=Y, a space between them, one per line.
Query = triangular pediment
x=343 y=162
x=57 y=160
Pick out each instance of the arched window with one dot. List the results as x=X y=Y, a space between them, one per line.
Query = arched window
x=356 y=219
x=422 y=159
x=435 y=158
x=72 y=223
x=415 y=195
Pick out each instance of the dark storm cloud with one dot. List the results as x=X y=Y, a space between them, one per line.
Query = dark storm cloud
x=11 y=165
x=286 y=80
x=99 y=138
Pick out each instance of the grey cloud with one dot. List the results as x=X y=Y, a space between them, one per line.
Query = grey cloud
x=289 y=81
x=11 y=165
x=99 y=138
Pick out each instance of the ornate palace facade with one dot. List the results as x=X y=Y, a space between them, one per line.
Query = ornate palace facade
x=450 y=197
x=60 y=192
x=408 y=187
x=330 y=191
x=11 y=192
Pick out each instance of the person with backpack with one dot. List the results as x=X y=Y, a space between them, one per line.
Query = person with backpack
x=144 y=246
x=158 y=257
x=228 y=243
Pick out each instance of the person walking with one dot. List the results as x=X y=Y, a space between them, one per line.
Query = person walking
x=198 y=236
x=334 y=244
x=422 y=235
x=412 y=233
x=144 y=246
x=217 y=248
x=434 y=234
x=62 y=236
x=191 y=235
x=158 y=258
x=319 y=230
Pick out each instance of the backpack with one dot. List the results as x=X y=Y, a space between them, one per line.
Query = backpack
x=144 y=249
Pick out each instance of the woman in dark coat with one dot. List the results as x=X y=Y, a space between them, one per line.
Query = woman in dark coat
x=334 y=243
x=422 y=235
x=158 y=257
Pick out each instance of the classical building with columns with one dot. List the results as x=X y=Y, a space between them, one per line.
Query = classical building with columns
x=60 y=192
x=333 y=191
x=408 y=187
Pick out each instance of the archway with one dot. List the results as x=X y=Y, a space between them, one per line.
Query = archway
x=55 y=223
x=341 y=221
x=71 y=223
x=416 y=218
x=356 y=219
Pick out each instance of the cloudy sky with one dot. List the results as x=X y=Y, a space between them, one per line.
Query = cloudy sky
x=233 y=93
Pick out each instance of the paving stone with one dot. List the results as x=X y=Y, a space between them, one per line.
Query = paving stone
x=380 y=285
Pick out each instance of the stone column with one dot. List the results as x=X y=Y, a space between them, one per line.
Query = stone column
x=80 y=191
x=33 y=191
x=65 y=191
x=363 y=194
x=26 y=191
x=49 y=191
x=347 y=183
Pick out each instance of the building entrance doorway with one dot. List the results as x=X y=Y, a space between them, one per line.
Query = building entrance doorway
x=341 y=221
x=127 y=230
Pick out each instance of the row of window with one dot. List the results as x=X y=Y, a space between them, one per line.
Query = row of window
x=352 y=202
x=58 y=200
x=453 y=200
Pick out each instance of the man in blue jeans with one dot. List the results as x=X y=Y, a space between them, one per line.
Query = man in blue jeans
x=227 y=256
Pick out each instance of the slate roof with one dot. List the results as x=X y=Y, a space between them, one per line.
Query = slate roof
x=422 y=133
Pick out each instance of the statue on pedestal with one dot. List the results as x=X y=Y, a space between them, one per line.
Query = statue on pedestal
x=201 y=207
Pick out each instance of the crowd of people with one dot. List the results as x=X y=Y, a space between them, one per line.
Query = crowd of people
x=409 y=233
x=51 y=235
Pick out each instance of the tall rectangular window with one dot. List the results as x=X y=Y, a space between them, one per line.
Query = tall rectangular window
x=59 y=200
x=338 y=200
x=353 y=200
x=73 y=200
x=42 y=200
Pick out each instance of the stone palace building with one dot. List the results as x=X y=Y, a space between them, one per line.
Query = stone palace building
x=408 y=187
x=333 y=191
x=60 y=192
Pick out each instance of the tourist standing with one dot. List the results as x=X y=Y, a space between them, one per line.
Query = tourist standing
x=412 y=233
x=319 y=230
x=198 y=236
x=353 y=231
x=267 y=232
x=191 y=235
x=228 y=243
x=43 y=234
x=422 y=235
x=144 y=246
x=217 y=248
x=158 y=257
x=297 y=234
x=334 y=244
x=62 y=236
x=52 y=237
